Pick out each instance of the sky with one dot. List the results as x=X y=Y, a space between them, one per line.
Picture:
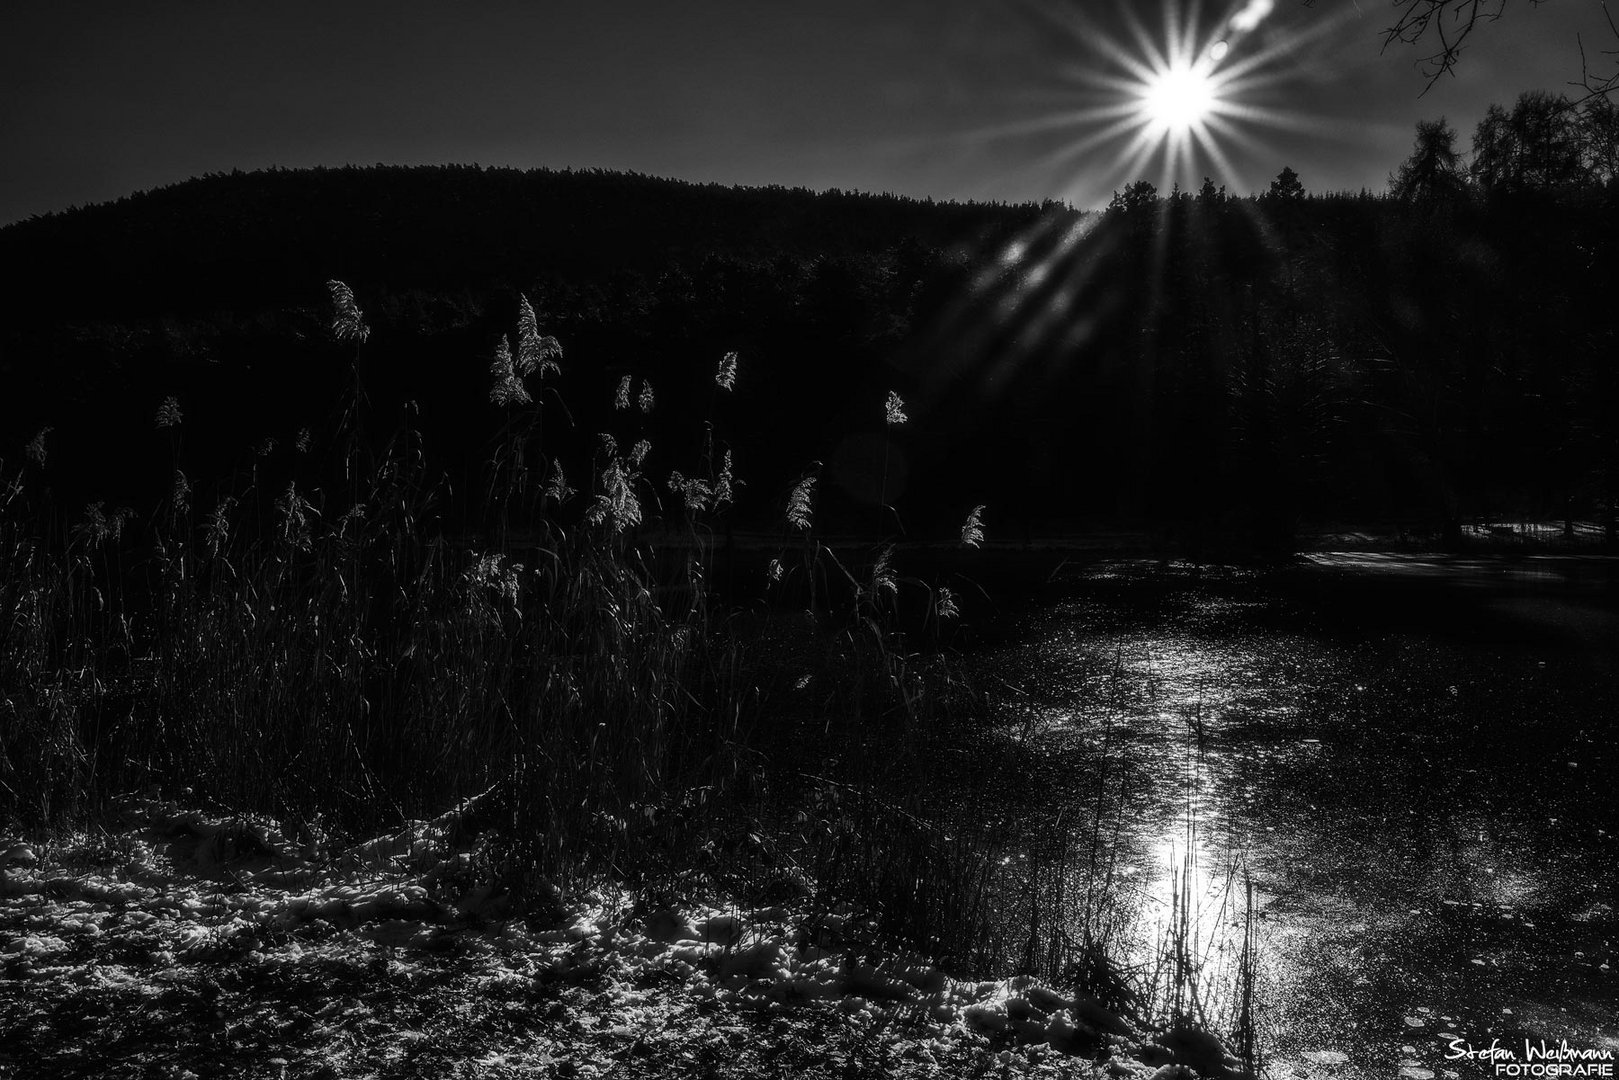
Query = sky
x=964 y=99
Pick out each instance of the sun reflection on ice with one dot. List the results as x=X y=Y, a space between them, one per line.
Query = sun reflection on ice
x=1191 y=928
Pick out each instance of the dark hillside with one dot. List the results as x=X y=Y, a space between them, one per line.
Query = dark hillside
x=1218 y=370
x=244 y=242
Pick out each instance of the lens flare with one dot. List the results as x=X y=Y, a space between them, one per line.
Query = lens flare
x=1252 y=14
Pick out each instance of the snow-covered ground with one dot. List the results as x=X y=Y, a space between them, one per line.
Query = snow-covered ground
x=173 y=943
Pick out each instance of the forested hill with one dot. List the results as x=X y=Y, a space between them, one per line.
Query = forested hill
x=1219 y=368
x=247 y=240
x=213 y=291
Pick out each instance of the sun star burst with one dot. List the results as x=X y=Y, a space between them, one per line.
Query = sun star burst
x=1179 y=98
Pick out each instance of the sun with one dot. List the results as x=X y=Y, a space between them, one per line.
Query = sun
x=1188 y=94
x=1179 y=99
x=1196 y=90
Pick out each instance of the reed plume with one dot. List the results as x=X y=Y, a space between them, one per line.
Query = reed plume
x=216 y=530
x=508 y=388
x=972 y=531
x=492 y=576
x=725 y=378
x=800 y=512
x=723 y=484
x=295 y=512
x=882 y=575
x=98 y=527
x=348 y=324
x=617 y=507
x=168 y=413
x=353 y=516
x=894 y=409
x=694 y=492
x=35 y=451
x=180 y=492
x=536 y=352
x=556 y=487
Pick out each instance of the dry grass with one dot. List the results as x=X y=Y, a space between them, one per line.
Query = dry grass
x=324 y=655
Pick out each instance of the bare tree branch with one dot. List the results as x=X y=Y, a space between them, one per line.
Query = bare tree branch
x=1451 y=22
x=1599 y=85
x=1418 y=19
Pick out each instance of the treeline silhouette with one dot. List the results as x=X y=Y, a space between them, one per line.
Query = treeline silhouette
x=1220 y=369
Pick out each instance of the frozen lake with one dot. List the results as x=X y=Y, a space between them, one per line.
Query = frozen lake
x=1410 y=760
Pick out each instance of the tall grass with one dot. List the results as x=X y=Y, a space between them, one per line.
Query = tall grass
x=324 y=648
x=325 y=651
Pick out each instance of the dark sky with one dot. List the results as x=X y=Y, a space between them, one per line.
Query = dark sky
x=948 y=98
